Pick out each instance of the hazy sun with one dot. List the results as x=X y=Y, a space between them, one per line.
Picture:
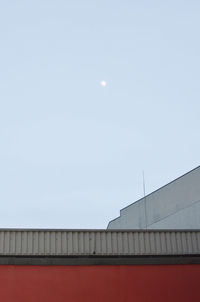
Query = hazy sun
x=103 y=83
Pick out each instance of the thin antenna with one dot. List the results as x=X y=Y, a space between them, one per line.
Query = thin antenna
x=145 y=205
x=143 y=183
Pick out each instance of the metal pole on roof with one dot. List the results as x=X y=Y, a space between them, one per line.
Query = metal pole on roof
x=145 y=206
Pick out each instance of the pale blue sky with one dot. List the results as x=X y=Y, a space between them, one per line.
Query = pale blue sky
x=71 y=151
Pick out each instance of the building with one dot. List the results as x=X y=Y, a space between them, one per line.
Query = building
x=99 y=265
x=173 y=206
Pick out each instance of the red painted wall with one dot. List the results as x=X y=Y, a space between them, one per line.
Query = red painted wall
x=149 y=283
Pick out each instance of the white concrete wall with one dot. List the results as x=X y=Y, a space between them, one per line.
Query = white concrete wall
x=188 y=218
x=172 y=206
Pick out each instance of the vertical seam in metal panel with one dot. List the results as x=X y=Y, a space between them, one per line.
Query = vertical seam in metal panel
x=192 y=242
x=189 y=241
x=112 y=243
x=117 y=241
x=38 y=247
x=56 y=243
x=78 y=245
x=187 y=244
x=22 y=238
x=43 y=242
x=13 y=244
x=32 y=250
x=122 y=244
x=95 y=242
x=198 y=241
x=3 y=249
x=139 y=243
x=89 y=241
x=61 y=242
x=128 y=243
x=184 y=243
x=164 y=243
x=133 y=239
x=158 y=245
x=10 y=251
x=83 y=243
x=20 y=242
x=170 y=250
x=8 y=242
x=176 y=244
x=151 y=242
x=27 y=247
x=144 y=241
x=101 y=242
x=33 y=238
x=106 y=247
x=50 y=251
x=180 y=242
x=34 y=242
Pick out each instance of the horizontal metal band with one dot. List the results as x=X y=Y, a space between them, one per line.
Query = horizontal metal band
x=80 y=261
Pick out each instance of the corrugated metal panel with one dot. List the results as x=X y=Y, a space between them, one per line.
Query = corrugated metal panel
x=98 y=242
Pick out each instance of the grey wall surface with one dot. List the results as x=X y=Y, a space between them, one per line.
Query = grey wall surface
x=174 y=206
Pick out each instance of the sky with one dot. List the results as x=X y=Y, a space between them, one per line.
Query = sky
x=73 y=151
